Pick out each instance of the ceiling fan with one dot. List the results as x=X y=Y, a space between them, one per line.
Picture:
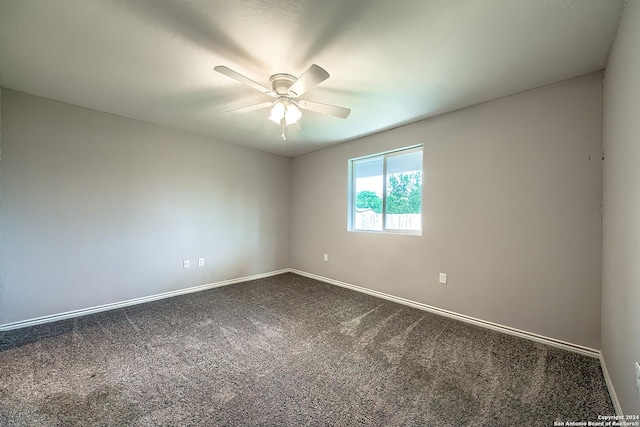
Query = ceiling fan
x=286 y=89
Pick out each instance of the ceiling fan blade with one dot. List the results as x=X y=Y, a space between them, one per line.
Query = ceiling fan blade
x=309 y=79
x=251 y=108
x=331 y=110
x=242 y=79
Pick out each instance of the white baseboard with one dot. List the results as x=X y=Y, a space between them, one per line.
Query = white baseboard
x=135 y=301
x=612 y=391
x=468 y=319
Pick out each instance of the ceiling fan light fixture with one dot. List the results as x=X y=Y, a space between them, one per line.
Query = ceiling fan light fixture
x=277 y=112
x=292 y=114
x=285 y=109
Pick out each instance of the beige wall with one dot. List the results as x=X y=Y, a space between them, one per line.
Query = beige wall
x=512 y=196
x=98 y=208
x=621 y=220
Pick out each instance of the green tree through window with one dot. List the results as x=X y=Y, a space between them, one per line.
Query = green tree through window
x=404 y=192
x=369 y=200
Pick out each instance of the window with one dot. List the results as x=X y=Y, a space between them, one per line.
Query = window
x=385 y=192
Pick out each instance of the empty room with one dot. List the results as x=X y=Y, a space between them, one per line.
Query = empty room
x=328 y=213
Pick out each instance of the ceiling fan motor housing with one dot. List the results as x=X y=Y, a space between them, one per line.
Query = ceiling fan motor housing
x=281 y=82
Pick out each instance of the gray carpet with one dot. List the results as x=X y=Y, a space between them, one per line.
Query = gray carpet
x=287 y=351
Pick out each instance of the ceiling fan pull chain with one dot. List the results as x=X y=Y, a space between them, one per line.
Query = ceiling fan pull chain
x=282 y=123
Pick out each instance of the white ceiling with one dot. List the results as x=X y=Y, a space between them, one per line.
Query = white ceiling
x=391 y=62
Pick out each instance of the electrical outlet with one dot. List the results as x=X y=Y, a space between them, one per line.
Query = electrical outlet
x=200 y=262
x=185 y=263
x=638 y=376
x=443 y=278
x=326 y=257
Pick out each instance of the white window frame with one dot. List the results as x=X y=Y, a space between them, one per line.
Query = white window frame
x=351 y=191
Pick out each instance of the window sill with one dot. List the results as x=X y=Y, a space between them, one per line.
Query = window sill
x=392 y=232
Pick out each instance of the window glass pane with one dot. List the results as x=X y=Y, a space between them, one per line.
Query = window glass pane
x=368 y=187
x=385 y=192
x=404 y=192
